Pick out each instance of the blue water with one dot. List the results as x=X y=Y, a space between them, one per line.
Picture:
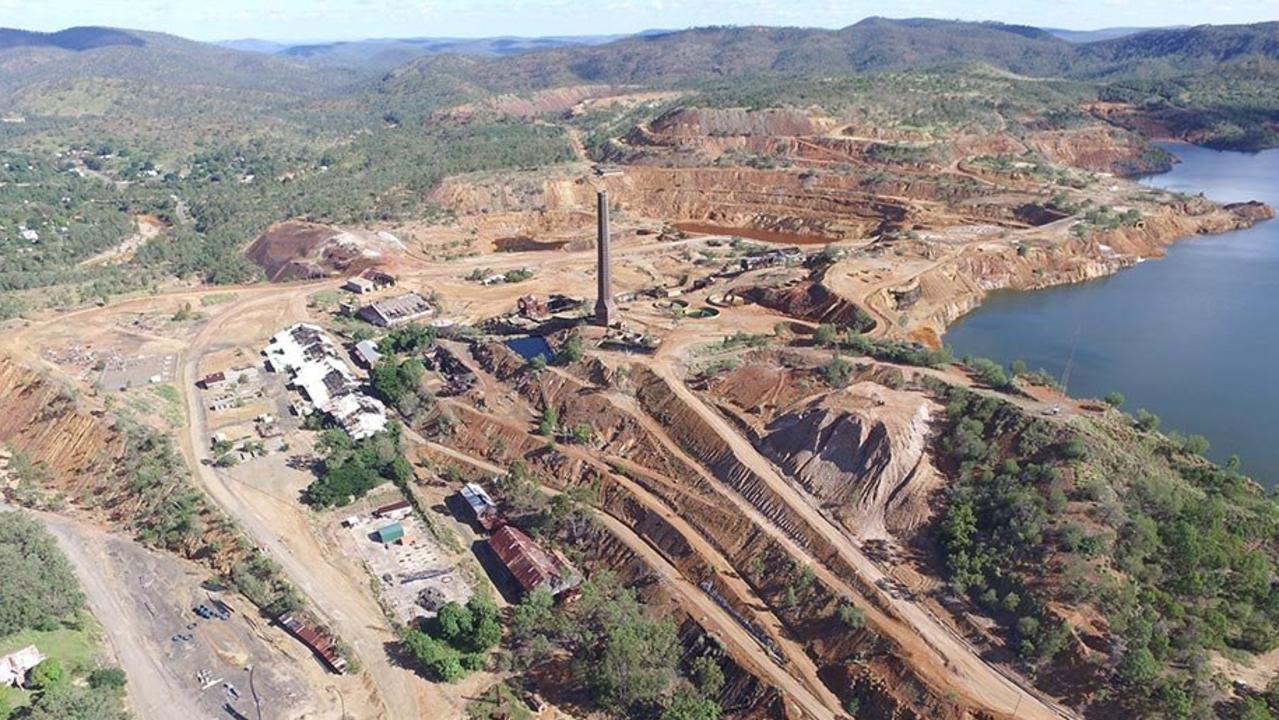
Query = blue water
x=531 y=347
x=1193 y=337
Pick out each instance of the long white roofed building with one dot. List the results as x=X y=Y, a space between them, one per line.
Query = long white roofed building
x=316 y=369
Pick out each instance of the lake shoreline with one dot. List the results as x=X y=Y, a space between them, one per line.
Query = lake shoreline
x=1181 y=337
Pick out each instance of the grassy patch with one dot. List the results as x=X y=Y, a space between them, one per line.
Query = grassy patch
x=217 y=298
x=75 y=648
x=163 y=401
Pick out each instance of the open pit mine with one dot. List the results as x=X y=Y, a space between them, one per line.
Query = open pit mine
x=709 y=369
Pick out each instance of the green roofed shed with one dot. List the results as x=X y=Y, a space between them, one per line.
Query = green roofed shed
x=390 y=533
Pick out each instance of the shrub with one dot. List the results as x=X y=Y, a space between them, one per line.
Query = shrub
x=851 y=615
x=990 y=373
x=550 y=422
x=837 y=372
x=46 y=675
x=571 y=351
x=1147 y=421
x=826 y=335
x=112 y=678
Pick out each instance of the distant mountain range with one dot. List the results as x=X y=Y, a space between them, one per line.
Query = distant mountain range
x=432 y=66
x=872 y=45
x=385 y=53
x=1087 y=36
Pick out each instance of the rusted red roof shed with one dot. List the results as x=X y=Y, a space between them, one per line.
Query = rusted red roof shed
x=530 y=564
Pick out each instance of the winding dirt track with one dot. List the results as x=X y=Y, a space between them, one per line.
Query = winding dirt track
x=334 y=590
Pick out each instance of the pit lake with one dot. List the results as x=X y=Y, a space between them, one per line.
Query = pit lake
x=1192 y=336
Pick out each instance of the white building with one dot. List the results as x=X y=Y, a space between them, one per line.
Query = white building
x=317 y=370
x=15 y=665
x=360 y=415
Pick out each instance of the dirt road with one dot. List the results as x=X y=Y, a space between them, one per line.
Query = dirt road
x=816 y=702
x=142 y=599
x=716 y=620
x=154 y=692
x=964 y=670
x=339 y=592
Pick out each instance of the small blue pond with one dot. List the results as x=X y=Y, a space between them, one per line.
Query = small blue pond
x=531 y=347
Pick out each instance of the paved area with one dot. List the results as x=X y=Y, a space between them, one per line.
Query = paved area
x=129 y=372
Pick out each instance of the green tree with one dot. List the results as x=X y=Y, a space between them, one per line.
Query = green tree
x=635 y=663
x=72 y=702
x=455 y=623
x=486 y=626
x=582 y=433
x=46 y=674
x=990 y=373
x=550 y=422
x=707 y=676
x=851 y=615
x=1147 y=421
x=1252 y=708
x=108 y=678
x=837 y=372
x=571 y=351
x=1114 y=399
x=827 y=335
x=434 y=657
x=1139 y=671
x=688 y=705
x=534 y=614
x=1197 y=444
x=39 y=590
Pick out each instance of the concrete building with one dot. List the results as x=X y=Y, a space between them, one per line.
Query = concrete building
x=772 y=258
x=297 y=345
x=532 y=308
x=397 y=310
x=358 y=285
x=366 y=352
x=605 y=307
x=213 y=380
x=380 y=280
x=359 y=415
x=369 y=281
x=397 y=510
x=15 y=666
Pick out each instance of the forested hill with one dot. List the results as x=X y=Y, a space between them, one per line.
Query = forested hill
x=48 y=63
x=51 y=61
x=76 y=39
x=872 y=45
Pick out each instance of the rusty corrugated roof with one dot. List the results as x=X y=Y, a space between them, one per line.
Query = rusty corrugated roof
x=530 y=564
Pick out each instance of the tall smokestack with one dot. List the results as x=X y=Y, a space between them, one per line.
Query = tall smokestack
x=605 y=310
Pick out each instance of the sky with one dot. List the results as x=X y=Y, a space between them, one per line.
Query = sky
x=300 y=20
